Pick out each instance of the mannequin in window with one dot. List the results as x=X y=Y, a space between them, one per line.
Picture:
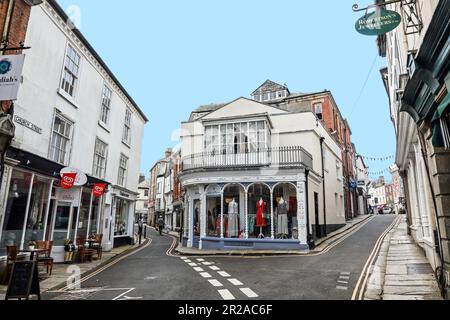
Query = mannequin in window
x=282 y=222
x=260 y=218
x=233 y=230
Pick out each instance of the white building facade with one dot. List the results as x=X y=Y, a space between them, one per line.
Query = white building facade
x=252 y=176
x=362 y=175
x=142 y=200
x=71 y=113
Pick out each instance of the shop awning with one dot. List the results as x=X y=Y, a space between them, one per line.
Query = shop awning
x=441 y=136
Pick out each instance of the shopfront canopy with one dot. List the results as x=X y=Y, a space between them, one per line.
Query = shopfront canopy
x=441 y=136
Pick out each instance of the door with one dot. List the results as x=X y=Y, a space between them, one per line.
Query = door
x=316 y=211
x=61 y=223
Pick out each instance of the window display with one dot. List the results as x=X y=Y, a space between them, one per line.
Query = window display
x=233 y=219
x=121 y=222
x=213 y=216
x=259 y=217
x=285 y=206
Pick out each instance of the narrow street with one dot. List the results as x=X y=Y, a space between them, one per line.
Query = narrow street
x=152 y=274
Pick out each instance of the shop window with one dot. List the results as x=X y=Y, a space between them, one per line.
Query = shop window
x=285 y=215
x=15 y=210
x=39 y=201
x=234 y=213
x=259 y=215
x=196 y=222
x=121 y=220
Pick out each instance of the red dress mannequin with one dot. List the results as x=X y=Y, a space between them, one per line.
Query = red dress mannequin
x=260 y=219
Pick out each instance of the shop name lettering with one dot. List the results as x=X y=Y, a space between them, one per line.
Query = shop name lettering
x=8 y=80
x=377 y=22
x=27 y=124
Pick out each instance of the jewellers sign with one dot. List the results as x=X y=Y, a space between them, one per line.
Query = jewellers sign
x=10 y=76
x=379 y=22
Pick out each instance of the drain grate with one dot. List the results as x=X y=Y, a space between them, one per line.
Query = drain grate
x=419 y=268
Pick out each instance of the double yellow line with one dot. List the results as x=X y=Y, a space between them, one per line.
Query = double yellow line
x=360 y=288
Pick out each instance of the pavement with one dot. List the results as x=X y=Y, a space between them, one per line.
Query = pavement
x=321 y=244
x=62 y=272
x=154 y=272
x=401 y=271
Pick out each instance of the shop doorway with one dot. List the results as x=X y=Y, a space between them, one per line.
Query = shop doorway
x=61 y=224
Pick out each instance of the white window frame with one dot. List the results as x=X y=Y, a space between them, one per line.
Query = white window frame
x=68 y=151
x=127 y=127
x=106 y=97
x=65 y=70
x=95 y=166
x=122 y=179
x=316 y=107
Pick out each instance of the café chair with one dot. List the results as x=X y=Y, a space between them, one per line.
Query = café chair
x=45 y=257
x=84 y=252
x=97 y=246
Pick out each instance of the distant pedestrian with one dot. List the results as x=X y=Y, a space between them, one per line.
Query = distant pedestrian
x=160 y=224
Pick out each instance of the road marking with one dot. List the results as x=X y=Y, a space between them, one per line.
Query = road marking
x=198 y=269
x=214 y=268
x=249 y=293
x=205 y=275
x=345 y=273
x=183 y=258
x=344 y=278
x=192 y=264
x=226 y=294
x=224 y=274
x=131 y=298
x=150 y=278
x=343 y=282
x=236 y=282
x=200 y=260
x=215 y=283
x=120 y=296
x=188 y=261
x=341 y=288
x=208 y=263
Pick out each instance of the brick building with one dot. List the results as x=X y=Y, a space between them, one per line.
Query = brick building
x=324 y=106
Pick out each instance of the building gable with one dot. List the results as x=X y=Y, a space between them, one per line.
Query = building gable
x=242 y=107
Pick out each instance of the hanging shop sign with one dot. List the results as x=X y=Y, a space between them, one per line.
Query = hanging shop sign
x=380 y=21
x=99 y=189
x=68 y=180
x=81 y=178
x=10 y=76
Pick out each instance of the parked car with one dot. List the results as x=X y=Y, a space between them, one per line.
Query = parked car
x=387 y=210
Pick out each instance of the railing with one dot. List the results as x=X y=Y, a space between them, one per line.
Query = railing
x=282 y=157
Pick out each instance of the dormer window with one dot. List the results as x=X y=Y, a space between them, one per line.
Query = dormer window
x=318 y=110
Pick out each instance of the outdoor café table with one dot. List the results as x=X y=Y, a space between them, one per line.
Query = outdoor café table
x=33 y=252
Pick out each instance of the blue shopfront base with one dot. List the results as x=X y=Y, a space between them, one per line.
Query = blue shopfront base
x=243 y=244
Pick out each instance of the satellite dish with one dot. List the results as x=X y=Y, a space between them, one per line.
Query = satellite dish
x=81 y=178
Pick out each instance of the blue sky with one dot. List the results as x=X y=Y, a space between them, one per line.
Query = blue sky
x=175 y=55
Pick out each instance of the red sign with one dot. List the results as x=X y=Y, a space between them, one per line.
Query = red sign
x=99 y=189
x=68 y=180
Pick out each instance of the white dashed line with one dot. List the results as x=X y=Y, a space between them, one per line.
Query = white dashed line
x=236 y=282
x=345 y=273
x=249 y=293
x=183 y=258
x=198 y=269
x=343 y=282
x=187 y=261
x=224 y=274
x=200 y=260
x=215 y=283
x=226 y=294
x=344 y=278
x=205 y=275
x=208 y=263
x=341 y=288
x=214 y=268
x=192 y=264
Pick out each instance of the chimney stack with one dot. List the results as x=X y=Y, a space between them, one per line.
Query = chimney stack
x=168 y=153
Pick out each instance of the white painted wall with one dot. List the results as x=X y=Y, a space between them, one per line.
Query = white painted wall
x=38 y=98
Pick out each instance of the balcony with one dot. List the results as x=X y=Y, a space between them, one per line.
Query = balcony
x=283 y=157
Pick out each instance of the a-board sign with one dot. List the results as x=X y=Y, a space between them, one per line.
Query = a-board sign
x=24 y=281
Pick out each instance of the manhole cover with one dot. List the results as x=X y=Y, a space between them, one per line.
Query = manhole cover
x=420 y=268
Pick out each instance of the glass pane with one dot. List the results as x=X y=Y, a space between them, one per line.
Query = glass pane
x=38 y=209
x=61 y=224
x=15 y=210
x=121 y=221
x=95 y=213
x=84 y=213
